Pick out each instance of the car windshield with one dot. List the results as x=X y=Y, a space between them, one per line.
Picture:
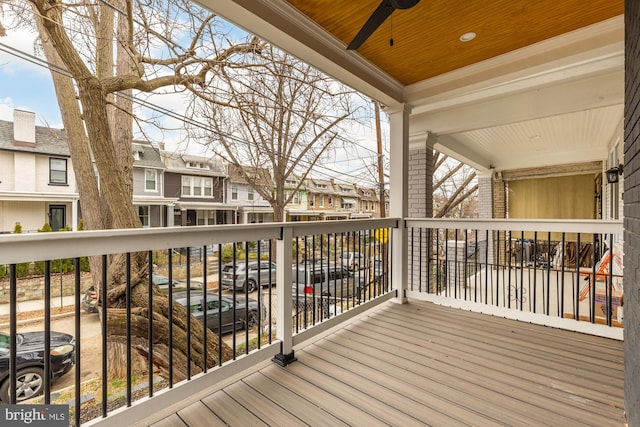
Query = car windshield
x=4 y=342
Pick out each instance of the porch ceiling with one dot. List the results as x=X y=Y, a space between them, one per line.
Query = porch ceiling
x=542 y=83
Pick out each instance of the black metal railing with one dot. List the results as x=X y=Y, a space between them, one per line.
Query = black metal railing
x=165 y=316
x=569 y=270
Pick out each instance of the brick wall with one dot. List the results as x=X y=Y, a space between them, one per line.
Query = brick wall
x=420 y=206
x=421 y=183
x=632 y=212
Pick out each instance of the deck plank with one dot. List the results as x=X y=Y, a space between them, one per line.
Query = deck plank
x=172 y=420
x=199 y=415
x=351 y=414
x=424 y=364
x=230 y=411
x=305 y=410
x=510 y=350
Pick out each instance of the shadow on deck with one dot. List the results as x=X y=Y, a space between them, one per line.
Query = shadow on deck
x=423 y=364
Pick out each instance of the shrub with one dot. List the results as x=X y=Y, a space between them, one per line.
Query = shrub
x=46 y=228
x=17 y=229
x=227 y=253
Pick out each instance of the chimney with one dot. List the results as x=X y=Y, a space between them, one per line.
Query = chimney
x=24 y=128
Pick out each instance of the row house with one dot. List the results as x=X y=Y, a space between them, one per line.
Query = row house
x=197 y=185
x=37 y=183
x=369 y=203
x=297 y=209
x=154 y=209
x=331 y=201
x=241 y=192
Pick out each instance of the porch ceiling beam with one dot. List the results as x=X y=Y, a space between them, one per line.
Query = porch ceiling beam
x=284 y=26
x=447 y=144
x=569 y=96
x=551 y=171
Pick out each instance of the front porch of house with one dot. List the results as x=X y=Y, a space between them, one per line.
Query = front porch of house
x=423 y=364
x=360 y=354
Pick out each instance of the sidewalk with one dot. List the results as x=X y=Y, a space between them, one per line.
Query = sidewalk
x=33 y=305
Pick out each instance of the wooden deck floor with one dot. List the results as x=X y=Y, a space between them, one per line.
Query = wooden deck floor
x=423 y=364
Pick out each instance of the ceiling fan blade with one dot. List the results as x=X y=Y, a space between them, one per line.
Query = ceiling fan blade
x=382 y=12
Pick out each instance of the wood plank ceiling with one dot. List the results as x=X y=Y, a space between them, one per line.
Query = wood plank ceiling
x=427 y=36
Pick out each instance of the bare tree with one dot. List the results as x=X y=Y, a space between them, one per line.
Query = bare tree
x=275 y=113
x=454 y=188
x=148 y=42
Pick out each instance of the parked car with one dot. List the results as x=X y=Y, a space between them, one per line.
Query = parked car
x=90 y=300
x=30 y=362
x=244 y=281
x=322 y=281
x=245 y=319
x=353 y=260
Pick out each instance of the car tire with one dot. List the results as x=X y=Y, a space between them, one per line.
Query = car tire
x=253 y=286
x=252 y=320
x=30 y=383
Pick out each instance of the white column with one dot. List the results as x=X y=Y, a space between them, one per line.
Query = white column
x=399 y=195
x=74 y=214
x=170 y=215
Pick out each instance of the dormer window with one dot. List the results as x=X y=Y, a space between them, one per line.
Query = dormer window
x=198 y=165
x=137 y=155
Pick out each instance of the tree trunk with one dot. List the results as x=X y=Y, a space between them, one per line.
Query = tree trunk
x=106 y=202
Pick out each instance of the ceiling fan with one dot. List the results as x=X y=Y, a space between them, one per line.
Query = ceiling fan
x=382 y=12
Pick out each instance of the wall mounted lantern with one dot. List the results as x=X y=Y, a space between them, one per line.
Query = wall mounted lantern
x=613 y=173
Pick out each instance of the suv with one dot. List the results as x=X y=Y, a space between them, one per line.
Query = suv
x=238 y=276
x=353 y=260
x=322 y=281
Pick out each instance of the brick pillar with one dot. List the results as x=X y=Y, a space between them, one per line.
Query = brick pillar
x=632 y=213
x=420 y=206
x=499 y=211
x=485 y=211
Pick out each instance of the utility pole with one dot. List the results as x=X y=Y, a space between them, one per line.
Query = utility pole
x=380 y=162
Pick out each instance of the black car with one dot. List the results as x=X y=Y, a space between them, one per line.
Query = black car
x=30 y=362
x=225 y=305
x=90 y=299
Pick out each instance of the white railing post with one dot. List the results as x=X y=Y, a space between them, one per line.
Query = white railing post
x=284 y=303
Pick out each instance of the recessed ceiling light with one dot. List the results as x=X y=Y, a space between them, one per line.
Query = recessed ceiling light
x=467 y=37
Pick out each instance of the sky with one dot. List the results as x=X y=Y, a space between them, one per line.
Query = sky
x=27 y=86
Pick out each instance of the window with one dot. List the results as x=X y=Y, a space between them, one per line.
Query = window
x=250 y=194
x=312 y=200
x=330 y=201
x=198 y=165
x=150 y=180
x=295 y=199
x=57 y=171
x=197 y=186
x=322 y=201
x=143 y=214
x=205 y=217
x=234 y=192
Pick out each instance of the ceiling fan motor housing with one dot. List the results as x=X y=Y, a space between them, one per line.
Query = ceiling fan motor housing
x=403 y=4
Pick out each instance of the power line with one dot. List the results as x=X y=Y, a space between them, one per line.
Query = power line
x=154 y=107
